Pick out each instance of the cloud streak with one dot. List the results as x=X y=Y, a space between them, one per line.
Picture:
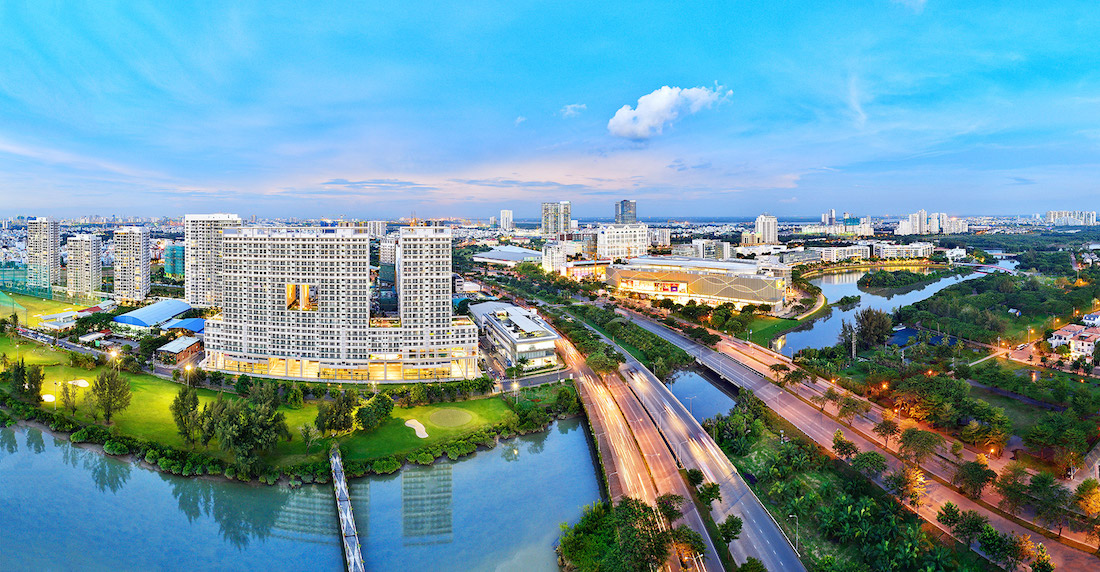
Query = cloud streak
x=572 y=110
x=660 y=108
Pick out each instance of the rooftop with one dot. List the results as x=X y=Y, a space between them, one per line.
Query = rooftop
x=510 y=254
x=154 y=314
x=521 y=324
x=178 y=345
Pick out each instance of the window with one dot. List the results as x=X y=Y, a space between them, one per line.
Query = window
x=302 y=297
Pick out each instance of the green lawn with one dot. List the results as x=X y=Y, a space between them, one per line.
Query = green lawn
x=30 y=308
x=764 y=328
x=1023 y=415
x=148 y=416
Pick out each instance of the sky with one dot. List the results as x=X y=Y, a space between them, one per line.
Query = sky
x=381 y=110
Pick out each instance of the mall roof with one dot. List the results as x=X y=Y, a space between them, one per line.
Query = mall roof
x=196 y=325
x=154 y=314
x=509 y=254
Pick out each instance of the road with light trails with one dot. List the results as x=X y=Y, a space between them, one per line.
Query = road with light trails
x=820 y=428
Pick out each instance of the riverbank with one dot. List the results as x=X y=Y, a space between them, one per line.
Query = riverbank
x=817 y=271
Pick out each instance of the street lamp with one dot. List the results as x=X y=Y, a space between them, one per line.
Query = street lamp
x=691 y=409
x=187 y=377
x=795 y=517
x=515 y=391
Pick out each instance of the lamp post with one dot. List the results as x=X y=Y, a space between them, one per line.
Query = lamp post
x=515 y=391
x=691 y=402
x=187 y=376
x=114 y=359
x=795 y=517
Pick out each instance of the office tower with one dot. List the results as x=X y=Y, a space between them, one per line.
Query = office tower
x=506 y=220
x=555 y=217
x=84 y=272
x=131 y=272
x=626 y=212
x=43 y=252
x=297 y=305
x=767 y=228
x=202 y=236
x=620 y=241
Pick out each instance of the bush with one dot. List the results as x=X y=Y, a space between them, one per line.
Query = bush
x=113 y=447
x=386 y=465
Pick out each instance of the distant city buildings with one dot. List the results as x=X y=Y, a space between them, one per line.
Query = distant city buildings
x=838 y=253
x=84 y=271
x=556 y=218
x=131 y=270
x=912 y=250
x=626 y=212
x=848 y=225
x=202 y=236
x=767 y=228
x=615 y=241
x=921 y=222
x=43 y=252
x=660 y=237
x=506 y=222
x=1071 y=218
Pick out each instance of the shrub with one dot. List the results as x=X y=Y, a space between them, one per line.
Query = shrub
x=386 y=465
x=113 y=447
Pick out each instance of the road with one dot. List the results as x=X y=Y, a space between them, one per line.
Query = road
x=821 y=427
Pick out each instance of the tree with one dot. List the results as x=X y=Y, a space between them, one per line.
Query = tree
x=870 y=463
x=668 y=505
x=248 y=427
x=294 y=397
x=600 y=363
x=887 y=429
x=112 y=393
x=695 y=477
x=1012 y=486
x=730 y=529
x=820 y=400
x=972 y=477
x=1051 y=500
x=1087 y=496
x=688 y=542
x=969 y=526
x=918 y=445
x=375 y=411
x=843 y=448
x=850 y=407
x=795 y=377
x=1042 y=562
x=309 y=434
x=948 y=515
x=185 y=412
x=242 y=385
x=832 y=396
x=873 y=327
x=907 y=483
x=209 y=418
x=68 y=397
x=709 y=492
x=339 y=416
x=778 y=369
x=752 y=565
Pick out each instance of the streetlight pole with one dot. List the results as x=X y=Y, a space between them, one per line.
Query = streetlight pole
x=795 y=517
x=691 y=409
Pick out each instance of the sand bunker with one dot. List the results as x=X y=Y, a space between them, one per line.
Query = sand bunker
x=418 y=427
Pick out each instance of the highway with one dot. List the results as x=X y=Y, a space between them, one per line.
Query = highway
x=820 y=428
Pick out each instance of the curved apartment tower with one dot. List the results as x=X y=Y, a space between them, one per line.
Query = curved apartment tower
x=296 y=304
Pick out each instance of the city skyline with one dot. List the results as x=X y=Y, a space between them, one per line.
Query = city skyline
x=899 y=106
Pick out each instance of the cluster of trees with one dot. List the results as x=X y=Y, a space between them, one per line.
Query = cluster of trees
x=661 y=356
x=945 y=402
x=375 y=411
x=1006 y=550
x=741 y=428
x=872 y=328
x=244 y=428
x=531 y=281
x=629 y=536
x=86 y=361
x=601 y=357
x=1055 y=263
x=902 y=278
x=25 y=382
x=723 y=317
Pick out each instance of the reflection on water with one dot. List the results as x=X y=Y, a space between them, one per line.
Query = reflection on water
x=703 y=398
x=487 y=511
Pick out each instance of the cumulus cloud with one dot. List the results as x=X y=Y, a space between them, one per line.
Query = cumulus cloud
x=660 y=108
x=572 y=110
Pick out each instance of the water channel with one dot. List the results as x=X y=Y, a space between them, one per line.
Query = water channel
x=66 y=507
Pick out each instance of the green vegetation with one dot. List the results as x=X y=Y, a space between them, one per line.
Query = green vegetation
x=30 y=308
x=661 y=356
x=903 y=278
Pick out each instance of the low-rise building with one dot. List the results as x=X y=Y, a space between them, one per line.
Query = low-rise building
x=1081 y=340
x=912 y=250
x=179 y=349
x=739 y=282
x=516 y=334
x=508 y=256
x=1091 y=320
x=838 y=253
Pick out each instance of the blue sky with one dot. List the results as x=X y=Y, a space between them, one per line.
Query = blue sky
x=691 y=108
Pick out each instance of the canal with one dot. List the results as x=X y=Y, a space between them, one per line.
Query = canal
x=66 y=507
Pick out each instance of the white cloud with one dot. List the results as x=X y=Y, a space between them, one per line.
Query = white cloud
x=662 y=107
x=520 y=119
x=572 y=110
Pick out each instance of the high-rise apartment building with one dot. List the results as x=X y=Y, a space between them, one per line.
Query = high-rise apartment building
x=377 y=228
x=175 y=260
x=660 y=236
x=1071 y=218
x=202 y=235
x=297 y=305
x=555 y=217
x=767 y=228
x=626 y=212
x=506 y=222
x=387 y=249
x=84 y=271
x=43 y=252
x=621 y=241
x=131 y=272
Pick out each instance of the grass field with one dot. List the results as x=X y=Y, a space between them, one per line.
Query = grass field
x=1023 y=415
x=764 y=328
x=30 y=308
x=148 y=416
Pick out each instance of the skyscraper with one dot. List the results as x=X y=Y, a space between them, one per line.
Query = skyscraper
x=202 y=235
x=43 y=252
x=555 y=217
x=506 y=220
x=84 y=272
x=767 y=229
x=131 y=272
x=626 y=212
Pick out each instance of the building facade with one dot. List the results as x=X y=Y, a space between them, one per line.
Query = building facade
x=518 y=336
x=615 y=241
x=43 y=252
x=84 y=273
x=767 y=228
x=506 y=222
x=555 y=218
x=202 y=236
x=838 y=253
x=1071 y=218
x=298 y=305
x=175 y=260
x=912 y=250
x=626 y=212
x=660 y=237
x=707 y=281
x=131 y=271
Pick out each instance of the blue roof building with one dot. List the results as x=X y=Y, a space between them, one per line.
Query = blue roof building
x=193 y=325
x=154 y=314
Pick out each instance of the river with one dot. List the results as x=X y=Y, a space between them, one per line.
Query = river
x=824 y=330
x=66 y=507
